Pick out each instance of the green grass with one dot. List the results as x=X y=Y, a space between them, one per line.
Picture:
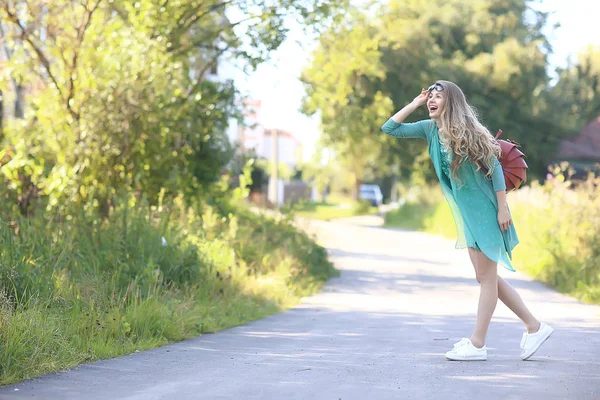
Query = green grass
x=409 y=216
x=86 y=289
x=558 y=228
x=432 y=218
x=332 y=210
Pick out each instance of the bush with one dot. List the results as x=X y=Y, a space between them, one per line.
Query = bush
x=335 y=207
x=361 y=207
x=559 y=229
x=421 y=203
x=79 y=288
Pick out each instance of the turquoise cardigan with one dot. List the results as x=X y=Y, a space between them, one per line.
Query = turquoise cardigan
x=472 y=199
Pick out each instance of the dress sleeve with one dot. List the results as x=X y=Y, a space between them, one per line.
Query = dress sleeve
x=406 y=130
x=498 y=181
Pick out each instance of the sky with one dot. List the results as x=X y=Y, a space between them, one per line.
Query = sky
x=276 y=82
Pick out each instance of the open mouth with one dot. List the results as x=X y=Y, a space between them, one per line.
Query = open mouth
x=433 y=108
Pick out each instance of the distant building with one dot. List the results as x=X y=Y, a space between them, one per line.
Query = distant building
x=253 y=136
x=288 y=146
x=583 y=150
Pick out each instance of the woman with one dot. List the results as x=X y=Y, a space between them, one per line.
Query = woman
x=465 y=158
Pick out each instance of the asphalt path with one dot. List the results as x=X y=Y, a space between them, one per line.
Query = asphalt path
x=379 y=331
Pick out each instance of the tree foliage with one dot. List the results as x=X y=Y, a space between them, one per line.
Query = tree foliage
x=496 y=51
x=118 y=95
x=339 y=87
x=577 y=91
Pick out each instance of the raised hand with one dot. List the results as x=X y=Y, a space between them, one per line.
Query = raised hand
x=421 y=99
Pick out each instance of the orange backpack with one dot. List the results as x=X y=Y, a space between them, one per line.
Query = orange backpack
x=513 y=163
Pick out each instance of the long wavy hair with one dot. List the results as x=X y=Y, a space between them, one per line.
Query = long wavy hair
x=461 y=132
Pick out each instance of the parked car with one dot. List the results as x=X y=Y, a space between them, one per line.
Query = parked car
x=371 y=193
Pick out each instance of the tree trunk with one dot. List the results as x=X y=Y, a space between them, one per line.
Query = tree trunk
x=357 y=183
x=1 y=113
x=394 y=189
x=19 y=102
x=29 y=195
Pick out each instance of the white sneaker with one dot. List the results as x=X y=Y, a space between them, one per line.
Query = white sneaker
x=531 y=342
x=465 y=351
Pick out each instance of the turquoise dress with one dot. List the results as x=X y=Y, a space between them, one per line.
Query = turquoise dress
x=472 y=198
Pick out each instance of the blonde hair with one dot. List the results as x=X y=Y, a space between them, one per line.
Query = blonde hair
x=462 y=132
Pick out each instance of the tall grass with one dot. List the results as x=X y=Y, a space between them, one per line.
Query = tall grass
x=79 y=288
x=558 y=224
x=328 y=211
x=559 y=228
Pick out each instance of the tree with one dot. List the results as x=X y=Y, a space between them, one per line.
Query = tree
x=339 y=87
x=577 y=91
x=321 y=173
x=494 y=50
x=118 y=96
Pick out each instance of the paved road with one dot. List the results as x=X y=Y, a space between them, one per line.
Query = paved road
x=377 y=332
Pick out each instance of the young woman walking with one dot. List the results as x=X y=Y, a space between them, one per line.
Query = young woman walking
x=465 y=157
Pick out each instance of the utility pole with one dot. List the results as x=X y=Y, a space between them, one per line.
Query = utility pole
x=274 y=185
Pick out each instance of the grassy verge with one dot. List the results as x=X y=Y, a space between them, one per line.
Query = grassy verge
x=558 y=226
x=335 y=208
x=79 y=290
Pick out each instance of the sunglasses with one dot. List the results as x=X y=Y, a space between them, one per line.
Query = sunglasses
x=436 y=86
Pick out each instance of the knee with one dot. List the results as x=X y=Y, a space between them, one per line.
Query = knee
x=490 y=277
x=485 y=276
x=479 y=276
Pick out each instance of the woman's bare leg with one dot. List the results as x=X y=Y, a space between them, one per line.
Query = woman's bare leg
x=487 y=275
x=510 y=297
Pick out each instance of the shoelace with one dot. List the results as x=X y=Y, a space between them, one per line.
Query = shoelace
x=462 y=343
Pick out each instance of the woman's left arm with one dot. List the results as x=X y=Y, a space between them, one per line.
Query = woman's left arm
x=498 y=181
x=504 y=218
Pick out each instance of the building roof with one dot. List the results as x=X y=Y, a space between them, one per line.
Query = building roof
x=584 y=146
